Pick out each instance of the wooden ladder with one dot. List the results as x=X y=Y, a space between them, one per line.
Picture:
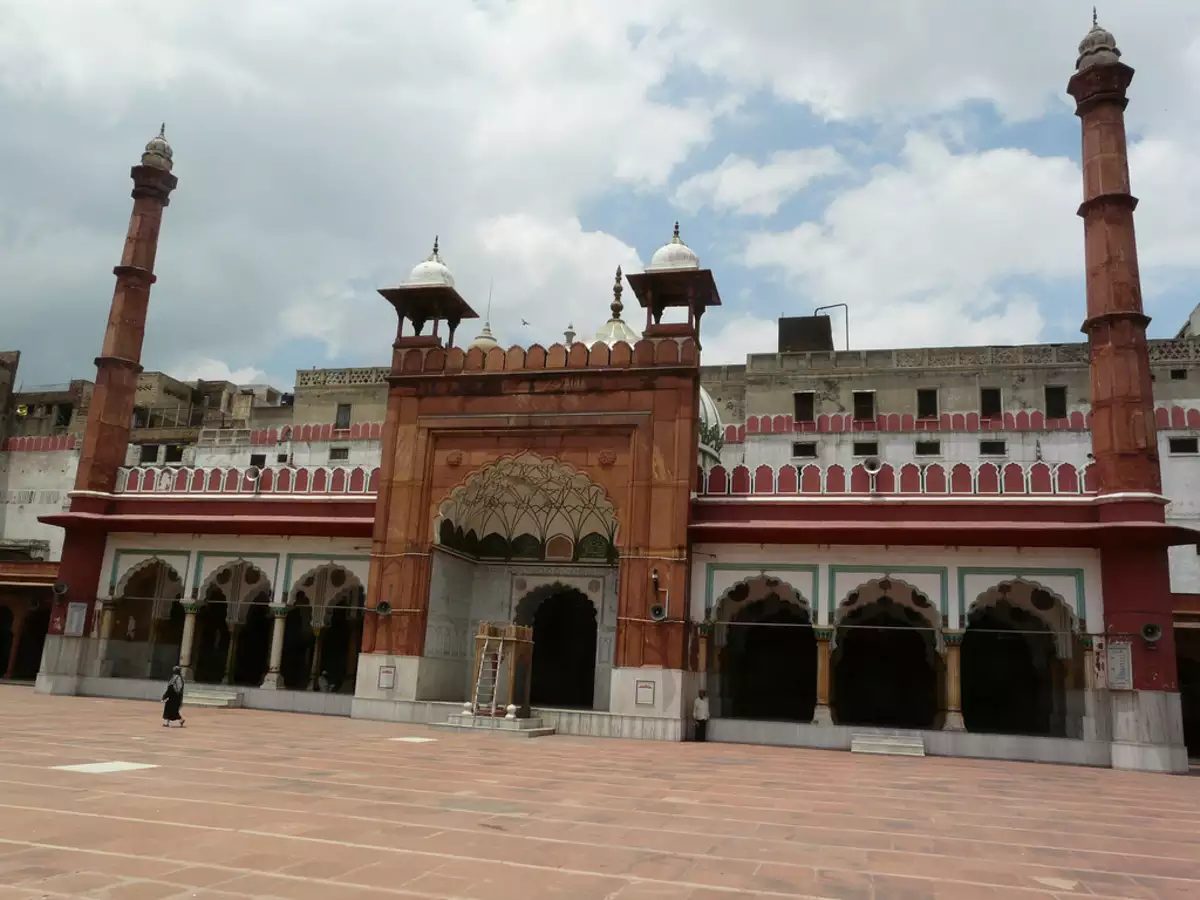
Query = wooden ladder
x=485 y=682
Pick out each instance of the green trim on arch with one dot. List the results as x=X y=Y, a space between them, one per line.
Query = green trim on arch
x=164 y=555
x=943 y=573
x=232 y=556
x=320 y=559
x=711 y=569
x=1026 y=574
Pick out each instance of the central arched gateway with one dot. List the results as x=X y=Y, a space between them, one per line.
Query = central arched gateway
x=886 y=666
x=565 y=626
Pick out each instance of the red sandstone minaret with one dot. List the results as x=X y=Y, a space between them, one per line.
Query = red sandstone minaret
x=111 y=408
x=1124 y=441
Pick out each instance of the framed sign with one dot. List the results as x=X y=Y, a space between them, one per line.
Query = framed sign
x=387 y=678
x=1120 y=666
x=76 y=620
x=644 y=693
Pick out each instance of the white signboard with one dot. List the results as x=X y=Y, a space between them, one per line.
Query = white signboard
x=76 y=619
x=645 y=693
x=1120 y=666
x=387 y=678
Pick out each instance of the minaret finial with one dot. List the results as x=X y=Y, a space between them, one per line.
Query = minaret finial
x=675 y=236
x=1095 y=18
x=435 y=245
x=616 y=306
x=162 y=131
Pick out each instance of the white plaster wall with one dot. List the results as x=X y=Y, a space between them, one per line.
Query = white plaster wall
x=1181 y=483
x=312 y=453
x=32 y=485
x=898 y=449
x=810 y=570
x=283 y=559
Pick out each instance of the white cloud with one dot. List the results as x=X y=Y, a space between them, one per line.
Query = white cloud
x=923 y=250
x=320 y=146
x=204 y=369
x=744 y=186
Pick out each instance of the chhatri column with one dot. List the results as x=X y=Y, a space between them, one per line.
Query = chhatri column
x=316 y=663
x=952 y=684
x=108 y=616
x=279 y=614
x=110 y=409
x=231 y=652
x=823 y=714
x=1135 y=582
x=189 y=638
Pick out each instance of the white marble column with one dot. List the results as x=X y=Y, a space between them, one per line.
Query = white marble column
x=108 y=617
x=822 y=714
x=189 y=637
x=280 y=615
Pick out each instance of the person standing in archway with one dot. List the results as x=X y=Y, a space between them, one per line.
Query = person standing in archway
x=700 y=714
x=173 y=699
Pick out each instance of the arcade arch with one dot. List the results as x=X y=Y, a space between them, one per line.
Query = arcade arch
x=1020 y=656
x=764 y=659
x=322 y=631
x=565 y=625
x=233 y=627
x=144 y=623
x=886 y=663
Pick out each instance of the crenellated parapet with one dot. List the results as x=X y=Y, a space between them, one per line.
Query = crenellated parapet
x=250 y=481
x=674 y=352
x=985 y=479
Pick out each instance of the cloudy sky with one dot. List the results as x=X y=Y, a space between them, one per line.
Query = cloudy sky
x=916 y=159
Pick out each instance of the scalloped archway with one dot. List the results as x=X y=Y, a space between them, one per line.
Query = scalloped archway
x=1020 y=660
x=763 y=664
x=886 y=659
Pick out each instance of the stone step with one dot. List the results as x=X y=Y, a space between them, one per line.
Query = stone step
x=888 y=744
x=516 y=733
x=214 y=699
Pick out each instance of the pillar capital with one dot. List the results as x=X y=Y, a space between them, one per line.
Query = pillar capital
x=279 y=610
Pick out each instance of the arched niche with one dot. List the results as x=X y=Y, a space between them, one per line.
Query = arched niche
x=148 y=587
x=566 y=630
x=236 y=584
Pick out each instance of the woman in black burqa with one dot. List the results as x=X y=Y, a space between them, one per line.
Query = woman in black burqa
x=173 y=699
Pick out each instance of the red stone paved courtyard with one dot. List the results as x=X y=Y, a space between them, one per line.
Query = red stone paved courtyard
x=255 y=804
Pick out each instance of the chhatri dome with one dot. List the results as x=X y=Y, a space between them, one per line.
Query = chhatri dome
x=712 y=432
x=158 y=153
x=675 y=255
x=1098 y=47
x=485 y=340
x=431 y=272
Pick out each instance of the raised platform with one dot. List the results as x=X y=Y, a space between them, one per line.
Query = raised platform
x=888 y=743
x=526 y=728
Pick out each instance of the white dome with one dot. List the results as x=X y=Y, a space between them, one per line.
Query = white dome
x=616 y=329
x=712 y=432
x=432 y=272
x=675 y=255
x=485 y=341
x=158 y=153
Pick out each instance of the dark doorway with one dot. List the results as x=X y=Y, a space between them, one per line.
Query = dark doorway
x=29 y=648
x=253 y=653
x=295 y=667
x=564 y=651
x=884 y=669
x=212 y=640
x=6 y=639
x=1187 y=650
x=336 y=649
x=1010 y=675
x=769 y=663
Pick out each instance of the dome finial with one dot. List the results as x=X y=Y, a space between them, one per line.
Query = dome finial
x=617 y=306
x=675 y=237
x=1098 y=47
x=158 y=153
x=435 y=247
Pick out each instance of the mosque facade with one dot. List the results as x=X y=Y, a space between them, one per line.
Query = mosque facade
x=831 y=543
